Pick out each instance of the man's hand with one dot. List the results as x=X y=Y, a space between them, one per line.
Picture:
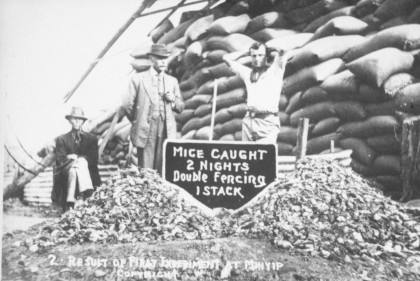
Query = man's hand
x=72 y=156
x=251 y=109
x=170 y=97
x=276 y=52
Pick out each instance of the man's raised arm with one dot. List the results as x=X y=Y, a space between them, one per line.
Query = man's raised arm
x=232 y=57
x=281 y=57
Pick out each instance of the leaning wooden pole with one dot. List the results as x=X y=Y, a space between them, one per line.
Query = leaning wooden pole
x=213 y=109
x=302 y=138
x=410 y=160
x=145 y=4
x=168 y=15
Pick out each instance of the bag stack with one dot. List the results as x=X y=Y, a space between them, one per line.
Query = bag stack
x=117 y=146
x=357 y=106
x=206 y=42
x=356 y=64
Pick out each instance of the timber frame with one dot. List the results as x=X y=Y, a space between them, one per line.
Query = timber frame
x=139 y=13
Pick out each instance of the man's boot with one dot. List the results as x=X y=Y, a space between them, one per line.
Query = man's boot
x=86 y=194
x=69 y=206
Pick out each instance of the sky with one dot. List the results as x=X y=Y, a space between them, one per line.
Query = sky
x=46 y=46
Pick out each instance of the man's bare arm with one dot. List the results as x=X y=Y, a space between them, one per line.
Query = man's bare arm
x=228 y=58
x=281 y=57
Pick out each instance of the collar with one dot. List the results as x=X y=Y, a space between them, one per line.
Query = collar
x=260 y=70
x=80 y=132
x=257 y=73
x=155 y=73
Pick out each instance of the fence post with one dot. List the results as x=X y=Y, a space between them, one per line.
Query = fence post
x=410 y=158
x=302 y=138
x=213 y=109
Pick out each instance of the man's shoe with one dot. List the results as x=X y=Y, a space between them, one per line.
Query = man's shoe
x=86 y=194
x=69 y=206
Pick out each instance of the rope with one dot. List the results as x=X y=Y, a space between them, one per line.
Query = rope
x=21 y=145
x=17 y=162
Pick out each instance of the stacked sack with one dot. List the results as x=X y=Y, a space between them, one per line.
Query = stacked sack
x=204 y=37
x=386 y=63
x=354 y=67
x=207 y=40
x=117 y=147
x=355 y=64
x=350 y=87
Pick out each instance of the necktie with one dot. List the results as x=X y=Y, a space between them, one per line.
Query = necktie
x=161 y=88
x=161 y=91
x=76 y=136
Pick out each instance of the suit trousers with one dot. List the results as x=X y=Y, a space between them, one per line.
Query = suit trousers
x=151 y=155
x=78 y=177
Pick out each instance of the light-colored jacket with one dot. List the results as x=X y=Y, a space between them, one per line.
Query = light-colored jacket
x=138 y=106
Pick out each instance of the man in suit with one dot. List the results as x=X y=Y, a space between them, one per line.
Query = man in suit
x=151 y=100
x=76 y=171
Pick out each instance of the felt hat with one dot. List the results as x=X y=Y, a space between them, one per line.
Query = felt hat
x=76 y=112
x=159 y=50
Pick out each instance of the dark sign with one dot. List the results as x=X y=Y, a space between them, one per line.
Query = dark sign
x=220 y=174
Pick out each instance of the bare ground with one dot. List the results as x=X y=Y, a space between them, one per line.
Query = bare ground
x=224 y=259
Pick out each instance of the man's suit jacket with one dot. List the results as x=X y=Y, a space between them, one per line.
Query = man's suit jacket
x=138 y=105
x=65 y=145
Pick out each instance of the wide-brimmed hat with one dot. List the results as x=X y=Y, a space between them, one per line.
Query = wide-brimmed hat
x=76 y=112
x=159 y=50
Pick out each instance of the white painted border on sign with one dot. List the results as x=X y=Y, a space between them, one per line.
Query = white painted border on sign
x=189 y=198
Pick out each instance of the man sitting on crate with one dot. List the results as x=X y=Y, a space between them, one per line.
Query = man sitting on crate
x=76 y=171
x=263 y=84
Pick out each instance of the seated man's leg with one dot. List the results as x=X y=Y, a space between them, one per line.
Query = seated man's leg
x=71 y=185
x=83 y=177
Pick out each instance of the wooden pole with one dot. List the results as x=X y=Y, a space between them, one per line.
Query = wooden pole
x=332 y=146
x=173 y=9
x=130 y=152
x=145 y=4
x=302 y=138
x=213 y=109
x=410 y=144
